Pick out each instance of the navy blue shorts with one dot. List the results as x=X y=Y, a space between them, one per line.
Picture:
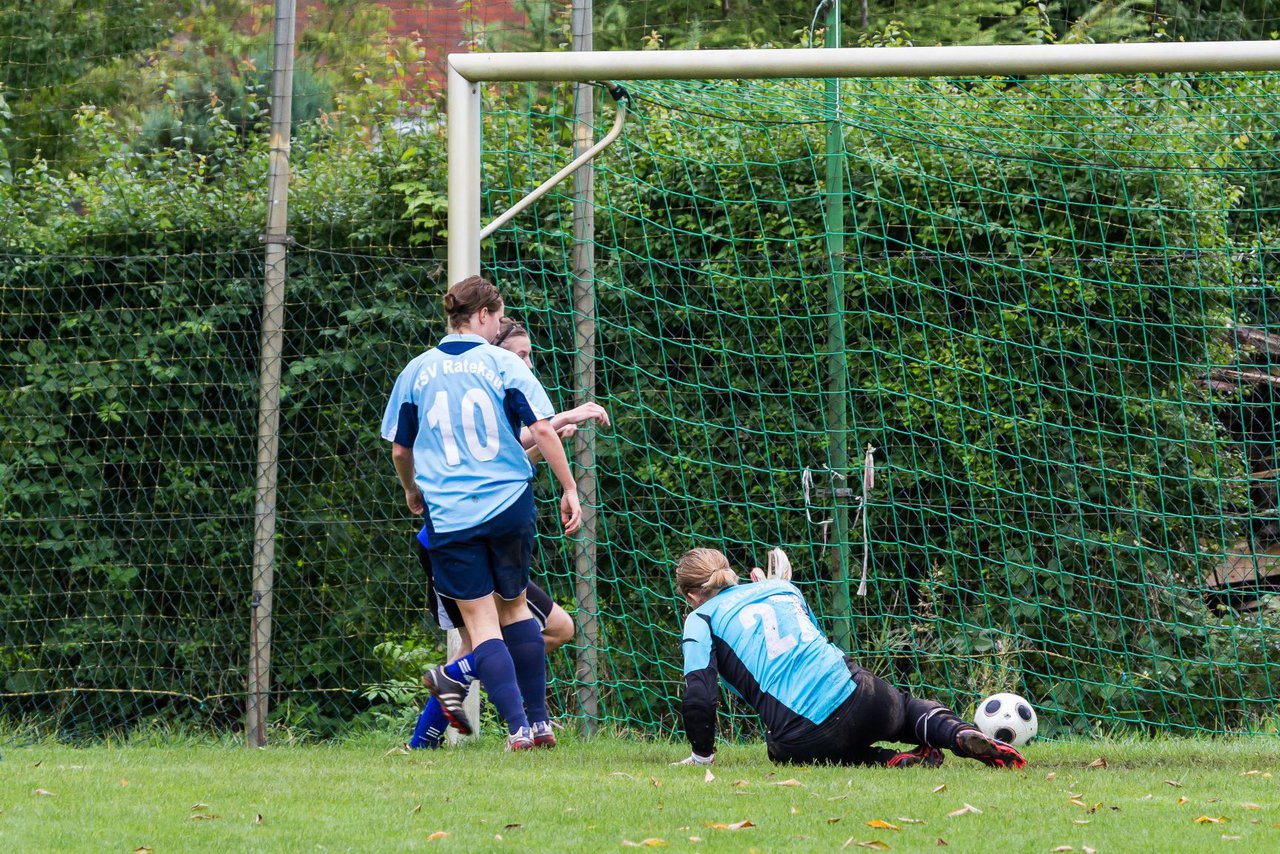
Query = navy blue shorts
x=492 y=557
x=445 y=611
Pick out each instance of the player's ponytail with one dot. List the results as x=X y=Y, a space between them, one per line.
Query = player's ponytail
x=705 y=570
x=467 y=297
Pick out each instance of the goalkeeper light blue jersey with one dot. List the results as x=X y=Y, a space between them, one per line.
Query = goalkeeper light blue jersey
x=764 y=642
x=460 y=406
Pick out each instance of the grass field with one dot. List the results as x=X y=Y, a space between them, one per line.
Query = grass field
x=607 y=795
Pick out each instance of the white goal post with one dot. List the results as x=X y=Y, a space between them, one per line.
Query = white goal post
x=467 y=71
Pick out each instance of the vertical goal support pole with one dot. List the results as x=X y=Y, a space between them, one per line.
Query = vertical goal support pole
x=269 y=365
x=586 y=667
x=837 y=363
x=464 y=242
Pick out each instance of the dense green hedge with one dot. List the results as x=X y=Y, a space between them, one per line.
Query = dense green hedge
x=1028 y=310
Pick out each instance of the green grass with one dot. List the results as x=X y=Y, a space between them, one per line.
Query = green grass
x=591 y=796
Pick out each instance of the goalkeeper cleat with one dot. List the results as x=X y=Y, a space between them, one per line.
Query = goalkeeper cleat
x=542 y=734
x=521 y=739
x=975 y=745
x=922 y=757
x=451 y=695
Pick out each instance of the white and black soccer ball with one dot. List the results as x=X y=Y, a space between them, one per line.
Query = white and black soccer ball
x=1008 y=718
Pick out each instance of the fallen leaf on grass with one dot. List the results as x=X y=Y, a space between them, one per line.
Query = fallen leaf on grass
x=621 y=774
x=512 y=826
x=1087 y=850
x=204 y=816
x=941 y=788
x=1078 y=803
x=835 y=819
x=1208 y=819
x=873 y=844
x=737 y=825
x=439 y=834
x=964 y=810
x=1249 y=805
x=1251 y=772
x=396 y=751
x=1173 y=783
x=197 y=807
x=941 y=842
x=791 y=784
x=1226 y=837
x=44 y=793
x=655 y=781
x=695 y=838
x=1051 y=775
x=651 y=842
x=257 y=819
x=416 y=809
x=124 y=782
x=905 y=820
x=794 y=811
x=142 y=849
x=1182 y=800
x=881 y=824
x=1100 y=762
x=709 y=777
x=1080 y=821
x=1062 y=848
x=740 y=784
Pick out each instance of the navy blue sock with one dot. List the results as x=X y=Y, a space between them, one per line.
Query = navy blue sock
x=463 y=670
x=498 y=676
x=431 y=726
x=529 y=655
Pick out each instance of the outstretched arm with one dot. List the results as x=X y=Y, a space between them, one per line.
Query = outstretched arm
x=565 y=424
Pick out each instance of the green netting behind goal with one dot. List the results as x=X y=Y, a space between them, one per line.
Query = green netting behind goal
x=1052 y=302
x=1047 y=327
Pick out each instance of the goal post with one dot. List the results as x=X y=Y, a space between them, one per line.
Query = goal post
x=468 y=70
x=1051 y=293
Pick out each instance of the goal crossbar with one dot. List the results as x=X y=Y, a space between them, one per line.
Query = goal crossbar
x=468 y=71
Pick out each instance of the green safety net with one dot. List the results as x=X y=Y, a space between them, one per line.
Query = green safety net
x=1044 y=330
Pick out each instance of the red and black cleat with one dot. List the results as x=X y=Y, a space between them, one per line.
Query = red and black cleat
x=921 y=757
x=451 y=694
x=973 y=744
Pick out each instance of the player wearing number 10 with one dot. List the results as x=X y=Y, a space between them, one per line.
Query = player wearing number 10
x=818 y=706
x=454 y=421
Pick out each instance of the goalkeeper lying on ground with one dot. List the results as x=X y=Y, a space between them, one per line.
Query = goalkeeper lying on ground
x=818 y=706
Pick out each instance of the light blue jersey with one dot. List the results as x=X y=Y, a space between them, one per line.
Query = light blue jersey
x=763 y=641
x=460 y=406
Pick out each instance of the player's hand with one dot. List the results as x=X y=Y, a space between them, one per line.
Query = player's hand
x=695 y=759
x=413 y=498
x=570 y=511
x=589 y=411
x=566 y=431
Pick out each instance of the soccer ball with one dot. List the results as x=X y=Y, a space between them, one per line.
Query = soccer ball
x=1008 y=718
